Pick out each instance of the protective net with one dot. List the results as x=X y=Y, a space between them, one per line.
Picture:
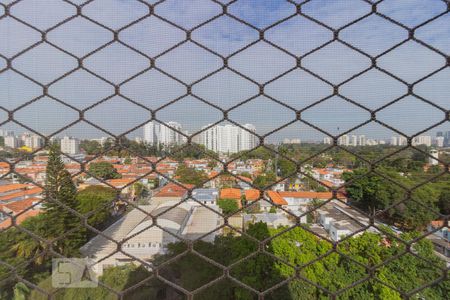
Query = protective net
x=225 y=149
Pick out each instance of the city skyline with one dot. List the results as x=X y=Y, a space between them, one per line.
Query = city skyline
x=173 y=133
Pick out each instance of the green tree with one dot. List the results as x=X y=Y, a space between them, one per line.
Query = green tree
x=91 y=147
x=21 y=291
x=189 y=175
x=60 y=197
x=104 y=170
x=286 y=167
x=139 y=189
x=98 y=199
x=117 y=278
x=264 y=180
x=373 y=193
x=228 y=206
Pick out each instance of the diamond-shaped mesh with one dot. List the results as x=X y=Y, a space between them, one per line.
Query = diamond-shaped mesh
x=329 y=68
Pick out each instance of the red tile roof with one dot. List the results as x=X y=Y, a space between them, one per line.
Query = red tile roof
x=18 y=206
x=276 y=198
x=29 y=213
x=33 y=191
x=12 y=187
x=230 y=193
x=174 y=190
x=252 y=195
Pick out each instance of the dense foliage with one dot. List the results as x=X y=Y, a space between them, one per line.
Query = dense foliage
x=57 y=223
x=228 y=206
x=97 y=202
x=373 y=193
x=335 y=271
x=297 y=247
x=103 y=170
x=189 y=175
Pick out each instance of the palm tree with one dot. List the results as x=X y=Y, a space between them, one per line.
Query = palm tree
x=29 y=248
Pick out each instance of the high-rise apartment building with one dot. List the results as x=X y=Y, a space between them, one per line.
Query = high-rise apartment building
x=422 y=140
x=163 y=134
x=440 y=141
x=70 y=145
x=327 y=140
x=394 y=141
x=344 y=140
x=229 y=138
x=12 y=142
x=32 y=141
x=402 y=141
x=446 y=138
x=5 y=133
x=362 y=140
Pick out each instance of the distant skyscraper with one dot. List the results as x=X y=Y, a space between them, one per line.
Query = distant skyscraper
x=402 y=141
x=70 y=146
x=33 y=141
x=169 y=134
x=327 y=140
x=12 y=142
x=229 y=138
x=362 y=140
x=344 y=140
x=247 y=139
x=447 y=138
x=440 y=141
x=394 y=141
x=354 y=140
x=422 y=140
x=6 y=133
x=151 y=130
x=163 y=134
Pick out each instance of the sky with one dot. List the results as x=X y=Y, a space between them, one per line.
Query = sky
x=147 y=89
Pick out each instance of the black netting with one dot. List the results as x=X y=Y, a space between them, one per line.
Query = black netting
x=177 y=57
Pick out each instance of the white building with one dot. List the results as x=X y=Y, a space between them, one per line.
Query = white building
x=402 y=141
x=422 y=140
x=362 y=140
x=440 y=141
x=354 y=141
x=344 y=140
x=394 y=141
x=70 y=146
x=12 y=142
x=163 y=134
x=291 y=141
x=229 y=138
x=327 y=140
x=33 y=141
x=144 y=241
x=434 y=156
x=169 y=134
x=4 y=132
x=151 y=132
x=101 y=140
